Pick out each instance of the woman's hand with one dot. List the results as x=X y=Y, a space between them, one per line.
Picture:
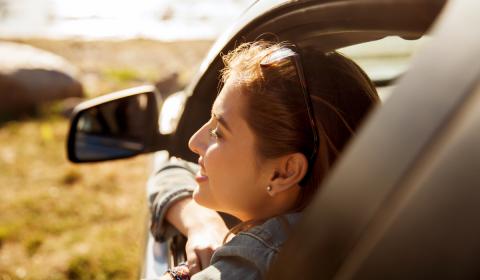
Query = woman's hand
x=204 y=228
x=203 y=240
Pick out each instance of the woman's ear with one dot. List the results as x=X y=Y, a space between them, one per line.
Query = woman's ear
x=289 y=171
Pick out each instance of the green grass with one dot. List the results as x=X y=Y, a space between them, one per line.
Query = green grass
x=122 y=75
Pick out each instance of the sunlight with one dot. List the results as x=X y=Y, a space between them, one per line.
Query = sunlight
x=166 y=20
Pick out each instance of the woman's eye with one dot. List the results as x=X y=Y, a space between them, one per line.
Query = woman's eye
x=214 y=133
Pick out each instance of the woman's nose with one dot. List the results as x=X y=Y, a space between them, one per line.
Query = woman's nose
x=196 y=142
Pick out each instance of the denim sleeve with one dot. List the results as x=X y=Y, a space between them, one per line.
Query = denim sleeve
x=172 y=181
x=231 y=268
x=250 y=253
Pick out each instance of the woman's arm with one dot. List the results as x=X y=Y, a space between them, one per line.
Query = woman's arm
x=204 y=229
x=173 y=208
x=171 y=182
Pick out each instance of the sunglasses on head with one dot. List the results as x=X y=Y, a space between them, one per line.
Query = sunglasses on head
x=287 y=54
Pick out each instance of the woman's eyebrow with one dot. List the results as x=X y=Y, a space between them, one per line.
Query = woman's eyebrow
x=222 y=121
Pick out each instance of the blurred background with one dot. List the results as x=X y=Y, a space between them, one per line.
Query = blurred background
x=64 y=221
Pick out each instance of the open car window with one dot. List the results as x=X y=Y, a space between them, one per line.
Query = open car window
x=385 y=60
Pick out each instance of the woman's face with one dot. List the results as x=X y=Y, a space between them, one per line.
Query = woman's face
x=231 y=179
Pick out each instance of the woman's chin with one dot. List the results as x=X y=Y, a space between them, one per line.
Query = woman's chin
x=202 y=198
x=199 y=197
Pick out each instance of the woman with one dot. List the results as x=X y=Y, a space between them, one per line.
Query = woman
x=276 y=129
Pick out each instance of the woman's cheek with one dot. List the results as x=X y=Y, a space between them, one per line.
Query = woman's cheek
x=213 y=160
x=217 y=165
x=205 y=192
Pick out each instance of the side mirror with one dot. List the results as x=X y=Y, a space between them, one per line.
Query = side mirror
x=118 y=125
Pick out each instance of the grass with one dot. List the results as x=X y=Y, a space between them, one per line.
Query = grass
x=55 y=214
x=64 y=221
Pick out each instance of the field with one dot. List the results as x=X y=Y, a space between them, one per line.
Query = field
x=64 y=221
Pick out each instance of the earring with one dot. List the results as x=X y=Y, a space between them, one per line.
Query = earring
x=269 y=188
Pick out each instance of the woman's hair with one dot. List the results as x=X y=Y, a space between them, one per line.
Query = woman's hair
x=276 y=111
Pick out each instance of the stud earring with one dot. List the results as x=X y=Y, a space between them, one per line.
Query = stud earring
x=269 y=188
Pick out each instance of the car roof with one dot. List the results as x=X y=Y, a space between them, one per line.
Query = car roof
x=323 y=24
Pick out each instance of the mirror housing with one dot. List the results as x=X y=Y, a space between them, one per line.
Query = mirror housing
x=117 y=125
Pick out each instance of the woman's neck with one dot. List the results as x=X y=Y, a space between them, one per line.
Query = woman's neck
x=277 y=205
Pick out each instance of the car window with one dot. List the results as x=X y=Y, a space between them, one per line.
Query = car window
x=384 y=60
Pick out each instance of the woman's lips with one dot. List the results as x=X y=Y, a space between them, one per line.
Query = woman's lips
x=199 y=177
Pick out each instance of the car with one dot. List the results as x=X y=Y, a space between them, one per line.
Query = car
x=403 y=199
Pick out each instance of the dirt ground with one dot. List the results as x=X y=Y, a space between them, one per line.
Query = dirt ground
x=111 y=65
x=64 y=221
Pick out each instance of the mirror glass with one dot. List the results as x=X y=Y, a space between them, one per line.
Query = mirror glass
x=115 y=129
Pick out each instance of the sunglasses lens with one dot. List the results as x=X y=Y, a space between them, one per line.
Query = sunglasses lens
x=278 y=55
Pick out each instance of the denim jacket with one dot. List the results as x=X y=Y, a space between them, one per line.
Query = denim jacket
x=248 y=255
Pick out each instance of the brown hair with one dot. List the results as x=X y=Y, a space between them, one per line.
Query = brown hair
x=341 y=94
